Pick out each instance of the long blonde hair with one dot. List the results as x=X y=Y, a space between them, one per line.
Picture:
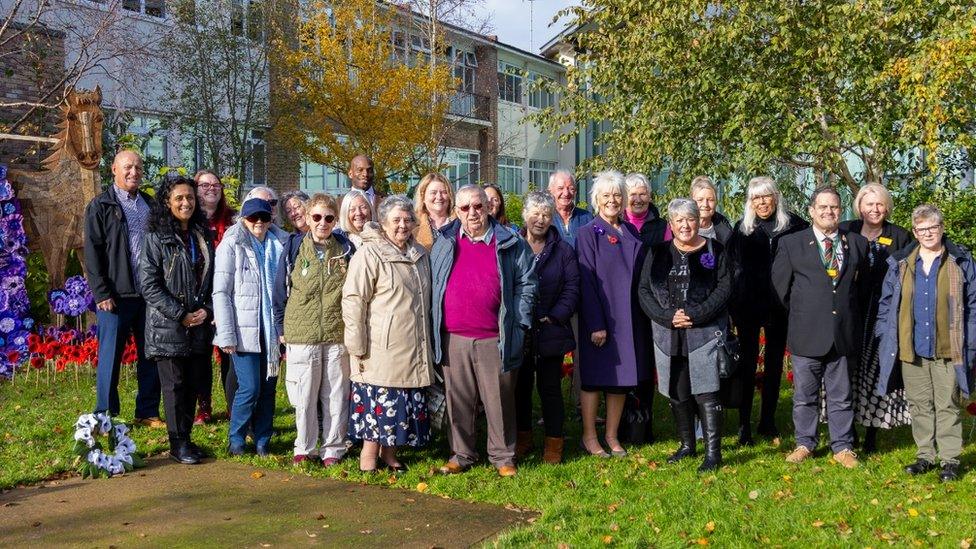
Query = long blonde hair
x=759 y=186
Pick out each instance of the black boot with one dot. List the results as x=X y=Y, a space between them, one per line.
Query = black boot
x=870 y=440
x=710 y=411
x=684 y=424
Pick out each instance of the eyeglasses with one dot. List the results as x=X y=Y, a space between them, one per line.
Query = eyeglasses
x=210 y=185
x=931 y=229
x=467 y=207
x=273 y=202
x=318 y=217
x=260 y=217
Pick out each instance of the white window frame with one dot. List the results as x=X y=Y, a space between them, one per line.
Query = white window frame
x=511 y=166
x=510 y=76
x=539 y=172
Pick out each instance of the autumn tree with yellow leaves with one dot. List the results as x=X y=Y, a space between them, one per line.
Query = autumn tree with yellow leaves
x=345 y=90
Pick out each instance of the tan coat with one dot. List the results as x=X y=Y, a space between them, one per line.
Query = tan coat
x=386 y=309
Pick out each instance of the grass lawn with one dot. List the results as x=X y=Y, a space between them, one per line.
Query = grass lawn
x=636 y=501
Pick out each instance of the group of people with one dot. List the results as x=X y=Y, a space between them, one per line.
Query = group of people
x=369 y=300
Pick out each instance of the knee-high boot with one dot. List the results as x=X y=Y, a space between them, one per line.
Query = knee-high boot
x=684 y=418
x=710 y=410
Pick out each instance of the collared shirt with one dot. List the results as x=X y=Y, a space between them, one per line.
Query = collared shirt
x=371 y=193
x=923 y=307
x=838 y=249
x=568 y=231
x=485 y=238
x=136 y=212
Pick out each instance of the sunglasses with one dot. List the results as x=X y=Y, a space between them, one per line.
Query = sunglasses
x=467 y=207
x=260 y=217
x=318 y=217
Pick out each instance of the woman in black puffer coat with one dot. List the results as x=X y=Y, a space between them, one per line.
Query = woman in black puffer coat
x=551 y=336
x=176 y=271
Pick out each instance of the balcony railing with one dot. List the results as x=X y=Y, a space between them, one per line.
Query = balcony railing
x=470 y=105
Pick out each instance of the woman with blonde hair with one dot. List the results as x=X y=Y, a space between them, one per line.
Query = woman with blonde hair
x=434 y=205
x=355 y=212
x=873 y=205
x=712 y=224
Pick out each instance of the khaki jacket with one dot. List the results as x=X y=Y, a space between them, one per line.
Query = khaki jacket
x=386 y=310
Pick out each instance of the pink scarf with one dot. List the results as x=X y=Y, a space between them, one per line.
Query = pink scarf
x=637 y=220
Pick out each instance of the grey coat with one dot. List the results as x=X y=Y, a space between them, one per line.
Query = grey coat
x=237 y=292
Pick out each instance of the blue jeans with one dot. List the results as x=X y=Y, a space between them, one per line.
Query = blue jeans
x=129 y=317
x=254 y=401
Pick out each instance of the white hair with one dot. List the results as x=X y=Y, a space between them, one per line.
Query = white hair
x=634 y=180
x=607 y=180
x=555 y=175
x=351 y=196
x=472 y=189
x=392 y=203
x=759 y=186
x=926 y=212
x=538 y=199
x=683 y=206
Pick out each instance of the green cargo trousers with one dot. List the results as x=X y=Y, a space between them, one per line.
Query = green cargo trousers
x=935 y=402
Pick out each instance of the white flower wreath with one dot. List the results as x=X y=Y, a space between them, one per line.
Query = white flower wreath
x=120 y=457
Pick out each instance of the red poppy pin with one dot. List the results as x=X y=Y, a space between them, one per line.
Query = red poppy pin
x=612 y=239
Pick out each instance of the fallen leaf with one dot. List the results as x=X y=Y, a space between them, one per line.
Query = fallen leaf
x=652 y=466
x=612 y=508
x=614 y=527
x=874 y=501
x=754 y=494
x=421 y=486
x=257 y=474
x=310 y=534
x=710 y=526
x=912 y=512
x=366 y=532
x=35 y=524
x=787 y=478
x=562 y=546
x=966 y=543
x=702 y=541
x=933 y=533
x=817 y=523
x=320 y=516
x=607 y=540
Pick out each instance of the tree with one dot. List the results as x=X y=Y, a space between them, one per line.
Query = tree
x=345 y=90
x=743 y=87
x=219 y=84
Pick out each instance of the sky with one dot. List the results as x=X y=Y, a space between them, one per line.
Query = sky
x=510 y=19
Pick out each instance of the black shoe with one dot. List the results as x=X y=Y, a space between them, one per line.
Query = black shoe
x=195 y=450
x=684 y=424
x=710 y=411
x=184 y=455
x=745 y=436
x=398 y=468
x=767 y=431
x=920 y=466
x=950 y=472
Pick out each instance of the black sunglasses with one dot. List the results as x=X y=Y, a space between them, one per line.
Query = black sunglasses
x=263 y=217
x=477 y=207
x=318 y=217
x=273 y=202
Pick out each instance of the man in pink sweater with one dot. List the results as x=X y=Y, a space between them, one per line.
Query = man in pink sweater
x=484 y=289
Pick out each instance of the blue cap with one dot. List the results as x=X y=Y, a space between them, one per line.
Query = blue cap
x=256 y=205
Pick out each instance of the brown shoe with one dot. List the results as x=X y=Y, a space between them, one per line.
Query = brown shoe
x=151 y=422
x=553 y=451
x=506 y=471
x=846 y=458
x=800 y=454
x=451 y=468
x=523 y=444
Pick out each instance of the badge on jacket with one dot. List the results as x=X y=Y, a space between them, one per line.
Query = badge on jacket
x=884 y=241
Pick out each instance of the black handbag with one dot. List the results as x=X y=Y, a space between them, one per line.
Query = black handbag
x=727 y=353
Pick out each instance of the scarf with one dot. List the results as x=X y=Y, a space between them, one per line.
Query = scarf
x=637 y=220
x=267 y=254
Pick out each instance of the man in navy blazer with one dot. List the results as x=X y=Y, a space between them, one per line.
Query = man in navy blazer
x=817 y=274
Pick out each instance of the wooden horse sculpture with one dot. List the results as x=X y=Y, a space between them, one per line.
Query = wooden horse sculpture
x=54 y=198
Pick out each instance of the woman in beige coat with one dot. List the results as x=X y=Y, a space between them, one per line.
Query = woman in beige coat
x=386 y=311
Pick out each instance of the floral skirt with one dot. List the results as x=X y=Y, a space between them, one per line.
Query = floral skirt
x=389 y=416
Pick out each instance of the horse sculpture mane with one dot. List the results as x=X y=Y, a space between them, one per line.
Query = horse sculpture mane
x=54 y=198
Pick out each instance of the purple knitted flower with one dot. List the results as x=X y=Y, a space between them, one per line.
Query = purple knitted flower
x=708 y=260
x=599 y=230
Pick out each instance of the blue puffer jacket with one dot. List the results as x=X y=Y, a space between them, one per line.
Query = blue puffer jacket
x=887 y=325
x=518 y=282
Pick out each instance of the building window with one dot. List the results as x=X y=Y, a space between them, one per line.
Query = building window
x=257 y=172
x=321 y=178
x=539 y=172
x=247 y=19
x=510 y=174
x=463 y=167
x=149 y=130
x=509 y=83
x=465 y=66
x=191 y=154
x=540 y=99
x=154 y=8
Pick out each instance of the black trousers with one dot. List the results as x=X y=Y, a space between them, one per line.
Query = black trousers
x=775 y=331
x=679 y=388
x=180 y=378
x=228 y=378
x=545 y=372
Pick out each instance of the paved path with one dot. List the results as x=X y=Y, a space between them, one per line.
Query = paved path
x=224 y=505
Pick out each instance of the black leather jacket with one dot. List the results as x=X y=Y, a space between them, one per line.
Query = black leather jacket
x=171 y=290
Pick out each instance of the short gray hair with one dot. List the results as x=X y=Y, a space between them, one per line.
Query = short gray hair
x=554 y=175
x=926 y=211
x=703 y=182
x=472 y=189
x=250 y=194
x=634 y=180
x=288 y=196
x=346 y=203
x=538 y=199
x=395 y=202
x=683 y=206
x=609 y=179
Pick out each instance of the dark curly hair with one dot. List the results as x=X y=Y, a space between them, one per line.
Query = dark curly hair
x=161 y=219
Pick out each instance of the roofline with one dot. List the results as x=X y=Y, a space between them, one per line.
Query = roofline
x=560 y=37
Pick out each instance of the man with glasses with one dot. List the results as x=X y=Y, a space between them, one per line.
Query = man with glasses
x=816 y=274
x=484 y=290
x=926 y=321
x=115 y=223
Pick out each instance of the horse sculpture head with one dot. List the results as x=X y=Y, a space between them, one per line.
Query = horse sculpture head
x=81 y=130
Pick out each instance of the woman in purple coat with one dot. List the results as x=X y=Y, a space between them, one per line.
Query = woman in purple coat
x=612 y=360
